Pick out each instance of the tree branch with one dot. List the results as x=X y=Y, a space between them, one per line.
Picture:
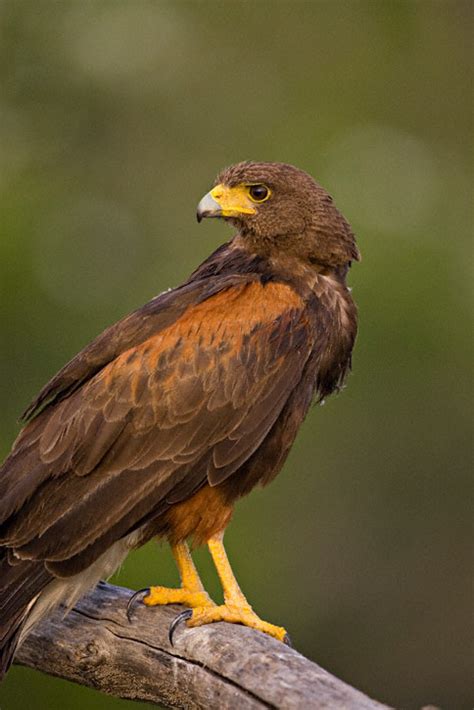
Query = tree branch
x=216 y=666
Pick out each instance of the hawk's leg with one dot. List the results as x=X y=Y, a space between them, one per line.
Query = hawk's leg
x=236 y=608
x=191 y=593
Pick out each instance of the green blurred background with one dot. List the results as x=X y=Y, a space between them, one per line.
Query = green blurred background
x=114 y=119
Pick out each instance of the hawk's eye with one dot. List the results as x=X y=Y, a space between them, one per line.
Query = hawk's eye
x=259 y=193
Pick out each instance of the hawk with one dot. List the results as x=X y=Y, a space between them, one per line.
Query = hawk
x=171 y=415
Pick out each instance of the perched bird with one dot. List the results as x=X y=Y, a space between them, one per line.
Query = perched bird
x=171 y=415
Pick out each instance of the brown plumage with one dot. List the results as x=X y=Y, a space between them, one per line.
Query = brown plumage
x=182 y=407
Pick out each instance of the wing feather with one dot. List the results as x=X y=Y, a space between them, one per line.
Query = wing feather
x=193 y=400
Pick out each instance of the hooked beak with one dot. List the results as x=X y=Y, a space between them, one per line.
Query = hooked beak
x=208 y=207
x=225 y=201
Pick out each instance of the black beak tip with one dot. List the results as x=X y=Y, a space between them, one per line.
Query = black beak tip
x=199 y=217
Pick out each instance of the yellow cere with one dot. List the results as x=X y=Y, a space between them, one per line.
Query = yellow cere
x=233 y=200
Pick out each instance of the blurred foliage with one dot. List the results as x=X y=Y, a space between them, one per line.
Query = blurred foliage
x=114 y=118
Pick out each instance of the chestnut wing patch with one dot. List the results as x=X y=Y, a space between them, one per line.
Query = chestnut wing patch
x=189 y=404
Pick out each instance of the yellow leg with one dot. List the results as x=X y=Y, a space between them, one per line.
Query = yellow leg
x=236 y=608
x=191 y=593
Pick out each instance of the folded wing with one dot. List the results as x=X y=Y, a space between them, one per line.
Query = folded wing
x=189 y=403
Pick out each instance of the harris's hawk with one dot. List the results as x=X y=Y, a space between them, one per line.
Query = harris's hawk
x=158 y=426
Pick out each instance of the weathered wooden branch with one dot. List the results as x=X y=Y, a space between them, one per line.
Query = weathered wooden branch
x=216 y=666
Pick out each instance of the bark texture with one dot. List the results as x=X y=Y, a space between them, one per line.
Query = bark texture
x=216 y=666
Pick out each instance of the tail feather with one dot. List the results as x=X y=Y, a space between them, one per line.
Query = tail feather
x=9 y=636
x=20 y=583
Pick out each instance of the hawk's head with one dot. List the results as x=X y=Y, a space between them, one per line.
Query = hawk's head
x=278 y=206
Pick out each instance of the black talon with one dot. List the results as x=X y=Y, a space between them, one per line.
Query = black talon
x=132 y=601
x=184 y=616
x=287 y=641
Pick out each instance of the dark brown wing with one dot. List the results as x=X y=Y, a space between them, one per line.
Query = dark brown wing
x=128 y=332
x=189 y=403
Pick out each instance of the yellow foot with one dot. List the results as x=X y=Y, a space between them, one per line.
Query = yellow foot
x=163 y=595
x=156 y=596
x=233 y=614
